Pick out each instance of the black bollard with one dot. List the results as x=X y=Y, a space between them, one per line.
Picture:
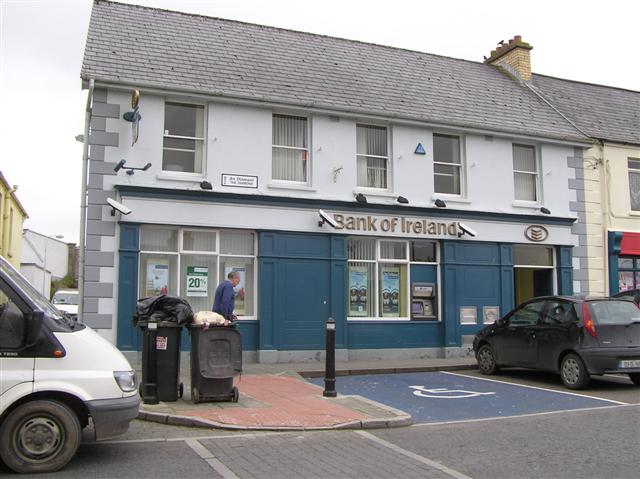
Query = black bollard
x=150 y=384
x=330 y=361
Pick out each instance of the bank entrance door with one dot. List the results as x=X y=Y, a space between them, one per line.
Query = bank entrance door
x=533 y=272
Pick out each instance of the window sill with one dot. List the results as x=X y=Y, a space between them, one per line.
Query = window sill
x=174 y=176
x=451 y=199
x=374 y=192
x=290 y=186
x=531 y=205
x=634 y=213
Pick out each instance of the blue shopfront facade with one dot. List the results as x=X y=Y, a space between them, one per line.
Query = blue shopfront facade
x=302 y=278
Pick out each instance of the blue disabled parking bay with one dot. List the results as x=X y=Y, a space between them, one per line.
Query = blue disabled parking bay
x=442 y=396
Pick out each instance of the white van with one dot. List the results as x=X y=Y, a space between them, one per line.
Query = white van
x=56 y=375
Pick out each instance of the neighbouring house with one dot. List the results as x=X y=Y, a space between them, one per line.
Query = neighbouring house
x=44 y=259
x=611 y=196
x=411 y=197
x=12 y=217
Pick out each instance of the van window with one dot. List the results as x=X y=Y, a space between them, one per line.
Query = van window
x=11 y=323
x=65 y=298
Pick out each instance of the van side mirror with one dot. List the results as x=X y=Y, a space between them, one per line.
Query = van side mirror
x=34 y=326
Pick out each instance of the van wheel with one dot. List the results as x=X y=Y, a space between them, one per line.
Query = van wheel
x=635 y=378
x=39 y=436
x=235 y=394
x=486 y=360
x=573 y=372
x=195 y=396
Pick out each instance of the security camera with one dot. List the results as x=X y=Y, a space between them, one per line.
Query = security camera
x=464 y=229
x=117 y=207
x=326 y=218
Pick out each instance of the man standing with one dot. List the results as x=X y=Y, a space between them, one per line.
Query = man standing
x=224 y=299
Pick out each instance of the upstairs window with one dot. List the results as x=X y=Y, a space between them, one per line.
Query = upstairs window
x=447 y=164
x=525 y=173
x=183 y=145
x=290 y=150
x=372 y=155
x=634 y=182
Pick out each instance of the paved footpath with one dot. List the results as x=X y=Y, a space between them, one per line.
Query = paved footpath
x=277 y=397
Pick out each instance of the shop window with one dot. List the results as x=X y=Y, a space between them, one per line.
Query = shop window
x=290 y=149
x=183 y=143
x=628 y=273
x=447 y=164
x=379 y=276
x=634 y=182
x=525 y=173
x=190 y=263
x=372 y=156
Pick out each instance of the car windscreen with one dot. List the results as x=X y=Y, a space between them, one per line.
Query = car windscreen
x=65 y=298
x=614 y=312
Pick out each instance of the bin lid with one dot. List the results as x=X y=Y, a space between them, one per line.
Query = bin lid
x=219 y=352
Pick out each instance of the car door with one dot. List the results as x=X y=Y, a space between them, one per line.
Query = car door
x=514 y=339
x=15 y=368
x=556 y=332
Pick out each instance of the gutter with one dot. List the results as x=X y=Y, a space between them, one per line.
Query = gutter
x=83 y=200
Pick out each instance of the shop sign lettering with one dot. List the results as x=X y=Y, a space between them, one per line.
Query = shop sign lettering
x=374 y=224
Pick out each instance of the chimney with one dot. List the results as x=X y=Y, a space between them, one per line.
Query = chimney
x=514 y=57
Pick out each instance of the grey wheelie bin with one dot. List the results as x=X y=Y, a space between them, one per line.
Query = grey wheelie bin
x=216 y=357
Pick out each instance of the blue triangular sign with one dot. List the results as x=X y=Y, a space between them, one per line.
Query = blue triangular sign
x=420 y=150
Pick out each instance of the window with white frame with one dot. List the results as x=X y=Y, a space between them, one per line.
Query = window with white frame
x=634 y=182
x=190 y=263
x=183 y=142
x=378 y=275
x=525 y=173
x=372 y=156
x=290 y=149
x=447 y=164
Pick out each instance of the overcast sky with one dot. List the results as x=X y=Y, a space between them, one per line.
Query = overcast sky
x=42 y=103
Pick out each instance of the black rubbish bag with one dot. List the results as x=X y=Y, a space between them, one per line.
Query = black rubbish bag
x=163 y=308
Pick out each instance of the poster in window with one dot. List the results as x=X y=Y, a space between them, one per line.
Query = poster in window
x=625 y=280
x=197 y=281
x=358 y=297
x=157 y=278
x=239 y=289
x=391 y=292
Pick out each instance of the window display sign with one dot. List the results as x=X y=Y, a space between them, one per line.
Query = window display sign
x=490 y=314
x=197 y=281
x=625 y=280
x=468 y=314
x=157 y=278
x=239 y=290
x=358 y=297
x=391 y=292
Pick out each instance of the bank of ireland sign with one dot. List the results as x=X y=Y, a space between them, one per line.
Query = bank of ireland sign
x=536 y=233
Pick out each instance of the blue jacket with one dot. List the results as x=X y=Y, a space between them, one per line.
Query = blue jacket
x=224 y=300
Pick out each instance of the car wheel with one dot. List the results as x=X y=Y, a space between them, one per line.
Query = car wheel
x=486 y=360
x=635 y=378
x=39 y=436
x=195 y=396
x=573 y=372
x=235 y=394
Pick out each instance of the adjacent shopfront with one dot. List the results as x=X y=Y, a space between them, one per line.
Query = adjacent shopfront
x=624 y=261
x=398 y=282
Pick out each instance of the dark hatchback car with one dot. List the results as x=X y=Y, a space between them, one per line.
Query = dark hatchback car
x=631 y=295
x=573 y=336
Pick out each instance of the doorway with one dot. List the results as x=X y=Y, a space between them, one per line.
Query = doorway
x=533 y=272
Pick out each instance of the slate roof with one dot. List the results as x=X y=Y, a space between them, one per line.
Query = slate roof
x=142 y=46
x=602 y=112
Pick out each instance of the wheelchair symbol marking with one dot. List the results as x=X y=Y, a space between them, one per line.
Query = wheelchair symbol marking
x=445 y=393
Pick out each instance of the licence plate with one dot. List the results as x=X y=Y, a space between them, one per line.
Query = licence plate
x=629 y=363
